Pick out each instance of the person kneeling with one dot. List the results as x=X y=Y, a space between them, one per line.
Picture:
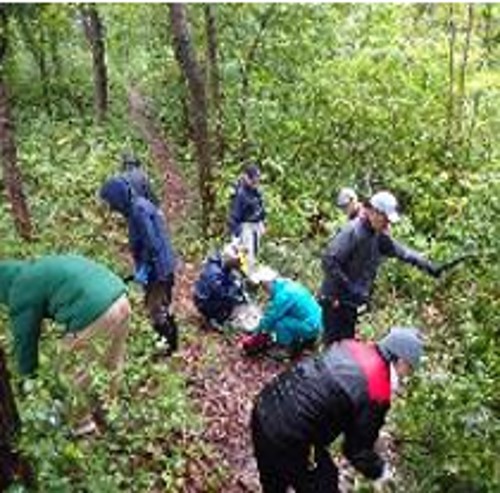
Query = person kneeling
x=218 y=290
x=291 y=319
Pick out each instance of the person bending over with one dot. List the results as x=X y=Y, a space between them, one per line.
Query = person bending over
x=344 y=391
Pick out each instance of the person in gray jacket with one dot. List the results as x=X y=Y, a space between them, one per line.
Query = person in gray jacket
x=351 y=261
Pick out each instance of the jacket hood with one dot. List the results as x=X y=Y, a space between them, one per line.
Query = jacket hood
x=118 y=195
x=9 y=270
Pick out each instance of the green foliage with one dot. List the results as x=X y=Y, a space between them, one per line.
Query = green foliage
x=142 y=447
x=337 y=95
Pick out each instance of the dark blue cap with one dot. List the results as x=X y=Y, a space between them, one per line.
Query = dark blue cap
x=252 y=172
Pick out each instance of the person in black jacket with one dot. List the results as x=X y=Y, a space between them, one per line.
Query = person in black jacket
x=345 y=391
x=351 y=261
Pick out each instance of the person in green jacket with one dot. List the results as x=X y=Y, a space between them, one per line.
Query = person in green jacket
x=85 y=298
x=291 y=319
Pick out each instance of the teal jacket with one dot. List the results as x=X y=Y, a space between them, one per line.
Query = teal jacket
x=68 y=289
x=290 y=300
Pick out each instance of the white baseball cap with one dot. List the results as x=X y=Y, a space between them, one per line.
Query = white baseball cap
x=345 y=196
x=387 y=204
x=263 y=274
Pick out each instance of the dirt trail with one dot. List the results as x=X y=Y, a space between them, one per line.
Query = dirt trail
x=221 y=382
x=222 y=385
x=175 y=193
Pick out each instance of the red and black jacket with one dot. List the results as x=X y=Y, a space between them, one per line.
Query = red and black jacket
x=346 y=390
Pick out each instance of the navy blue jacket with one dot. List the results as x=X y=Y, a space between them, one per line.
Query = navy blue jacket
x=352 y=258
x=218 y=290
x=247 y=206
x=149 y=241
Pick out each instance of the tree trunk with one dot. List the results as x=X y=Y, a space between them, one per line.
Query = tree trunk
x=12 y=178
x=37 y=49
x=451 y=73
x=94 y=32
x=191 y=70
x=488 y=41
x=214 y=85
x=465 y=59
x=12 y=466
x=246 y=66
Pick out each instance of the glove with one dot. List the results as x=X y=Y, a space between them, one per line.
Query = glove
x=434 y=270
x=385 y=480
x=141 y=275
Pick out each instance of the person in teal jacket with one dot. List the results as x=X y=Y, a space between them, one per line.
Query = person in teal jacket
x=86 y=299
x=292 y=317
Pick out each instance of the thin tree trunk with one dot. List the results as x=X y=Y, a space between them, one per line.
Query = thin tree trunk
x=451 y=72
x=488 y=19
x=94 y=32
x=465 y=59
x=12 y=177
x=13 y=467
x=246 y=66
x=214 y=77
x=191 y=70
x=36 y=47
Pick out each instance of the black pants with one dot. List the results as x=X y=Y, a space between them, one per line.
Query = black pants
x=281 y=467
x=218 y=311
x=339 y=320
x=158 y=299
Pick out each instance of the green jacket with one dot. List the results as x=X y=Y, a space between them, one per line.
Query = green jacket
x=68 y=289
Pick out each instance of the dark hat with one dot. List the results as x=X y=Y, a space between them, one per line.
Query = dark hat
x=252 y=171
x=403 y=343
x=130 y=161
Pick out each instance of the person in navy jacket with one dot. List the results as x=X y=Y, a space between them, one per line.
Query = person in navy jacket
x=151 y=249
x=219 y=290
x=136 y=177
x=247 y=214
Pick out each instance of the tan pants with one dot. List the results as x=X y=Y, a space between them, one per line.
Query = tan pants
x=103 y=341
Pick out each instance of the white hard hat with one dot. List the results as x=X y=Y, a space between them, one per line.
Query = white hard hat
x=345 y=196
x=387 y=204
x=263 y=274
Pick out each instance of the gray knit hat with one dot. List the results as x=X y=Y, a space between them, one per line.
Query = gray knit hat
x=403 y=343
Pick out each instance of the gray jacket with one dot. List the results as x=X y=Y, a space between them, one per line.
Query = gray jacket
x=352 y=258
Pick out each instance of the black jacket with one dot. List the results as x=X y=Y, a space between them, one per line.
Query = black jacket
x=352 y=258
x=345 y=391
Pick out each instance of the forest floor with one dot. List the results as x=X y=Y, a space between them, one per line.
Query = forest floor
x=221 y=382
